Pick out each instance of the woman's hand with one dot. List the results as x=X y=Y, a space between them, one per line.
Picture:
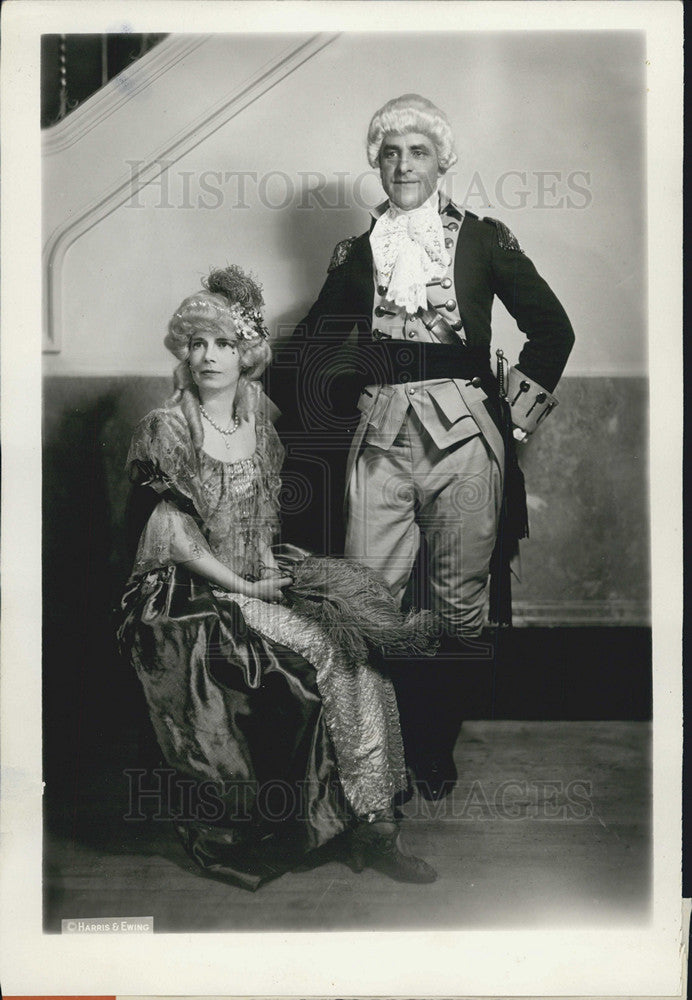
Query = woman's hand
x=269 y=568
x=269 y=589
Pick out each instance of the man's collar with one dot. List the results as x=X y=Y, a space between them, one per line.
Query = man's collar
x=447 y=207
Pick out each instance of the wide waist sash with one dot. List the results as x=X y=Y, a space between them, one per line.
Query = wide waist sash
x=389 y=362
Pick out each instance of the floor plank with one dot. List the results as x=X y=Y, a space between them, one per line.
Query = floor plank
x=550 y=824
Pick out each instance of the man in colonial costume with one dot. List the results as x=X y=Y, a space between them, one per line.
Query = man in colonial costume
x=402 y=332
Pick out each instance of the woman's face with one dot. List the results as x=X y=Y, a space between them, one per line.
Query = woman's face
x=214 y=360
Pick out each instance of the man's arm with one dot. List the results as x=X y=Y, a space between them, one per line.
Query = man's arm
x=541 y=317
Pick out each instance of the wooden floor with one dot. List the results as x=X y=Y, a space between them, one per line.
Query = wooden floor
x=550 y=824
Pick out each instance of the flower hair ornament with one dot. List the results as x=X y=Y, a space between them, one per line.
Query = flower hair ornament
x=248 y=323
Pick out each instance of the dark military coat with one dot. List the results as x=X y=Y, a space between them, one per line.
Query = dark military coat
x=488 y=262
x=319 y=406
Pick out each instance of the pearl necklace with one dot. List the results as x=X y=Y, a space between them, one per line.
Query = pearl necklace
x=224 y=431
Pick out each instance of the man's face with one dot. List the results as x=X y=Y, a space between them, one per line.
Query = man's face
x=408 y=169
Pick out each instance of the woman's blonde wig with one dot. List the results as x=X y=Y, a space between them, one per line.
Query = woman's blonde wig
x=230 y=303
x=412 y=113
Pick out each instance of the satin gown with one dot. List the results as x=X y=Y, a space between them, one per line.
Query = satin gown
x=277 y=736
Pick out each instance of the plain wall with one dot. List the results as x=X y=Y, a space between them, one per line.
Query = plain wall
x=549 y=130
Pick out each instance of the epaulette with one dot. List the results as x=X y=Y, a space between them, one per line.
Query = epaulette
x=505 y=237
x=341 y=252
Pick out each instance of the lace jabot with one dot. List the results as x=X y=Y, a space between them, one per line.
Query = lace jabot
x=409 y=250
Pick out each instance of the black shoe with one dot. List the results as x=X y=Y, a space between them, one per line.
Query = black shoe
x=374 y=845
x=437 y=778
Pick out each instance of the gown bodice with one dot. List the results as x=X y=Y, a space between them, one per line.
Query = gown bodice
x=231 y=528
x=207 y=505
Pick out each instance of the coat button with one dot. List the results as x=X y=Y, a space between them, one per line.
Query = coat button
x=446 y=283
x=457 y=326
x=450 y=305
x=412 y=334
x=452 y=226
x=381 y=289
x=449 y=242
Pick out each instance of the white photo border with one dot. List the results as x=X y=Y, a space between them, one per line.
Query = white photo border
x=617 y=962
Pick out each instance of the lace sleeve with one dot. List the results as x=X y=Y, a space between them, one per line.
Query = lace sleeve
x=170 y=536
x=162 y=457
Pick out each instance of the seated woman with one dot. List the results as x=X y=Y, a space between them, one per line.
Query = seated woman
x=258 y=668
